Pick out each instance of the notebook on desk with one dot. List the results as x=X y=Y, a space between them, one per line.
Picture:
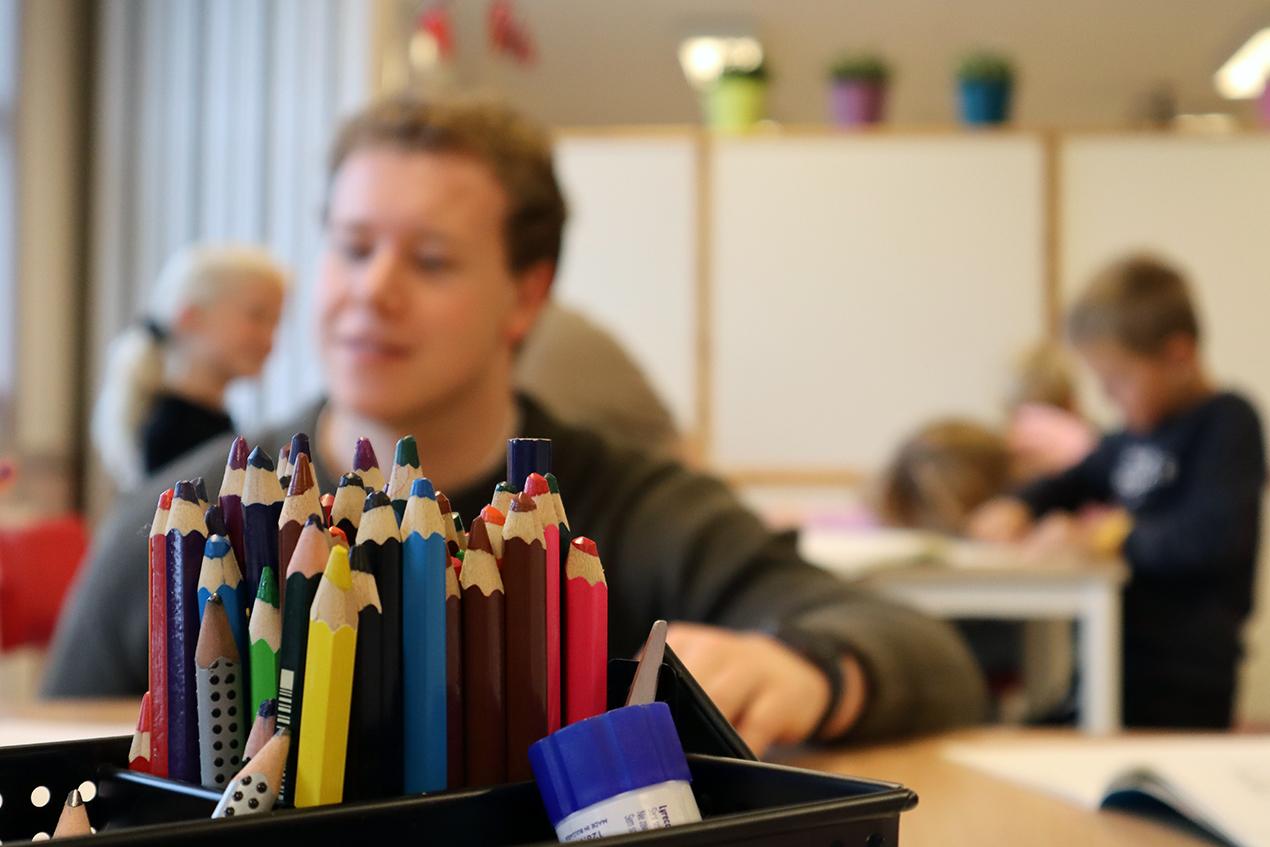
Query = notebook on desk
x=1219 y=785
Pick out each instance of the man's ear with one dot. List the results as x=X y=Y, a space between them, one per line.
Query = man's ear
x=533 y=287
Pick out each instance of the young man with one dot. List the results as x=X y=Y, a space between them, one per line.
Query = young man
x=1187 y=471
x=443 y=229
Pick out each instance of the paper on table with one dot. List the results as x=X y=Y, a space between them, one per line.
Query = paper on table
x=1224 y=779
x=15 y=731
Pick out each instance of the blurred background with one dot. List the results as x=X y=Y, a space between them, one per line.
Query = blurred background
x=814 y=226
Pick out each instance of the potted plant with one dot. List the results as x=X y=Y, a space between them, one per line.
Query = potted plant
x=737 y=100
x=857 y=89
x=985 y=82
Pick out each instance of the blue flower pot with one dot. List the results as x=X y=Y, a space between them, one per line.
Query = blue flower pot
x=984 y=101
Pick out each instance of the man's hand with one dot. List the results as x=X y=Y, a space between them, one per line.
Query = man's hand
x=771 y=694
x=1001 y=520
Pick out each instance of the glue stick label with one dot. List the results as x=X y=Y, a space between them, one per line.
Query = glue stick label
x=654 y=807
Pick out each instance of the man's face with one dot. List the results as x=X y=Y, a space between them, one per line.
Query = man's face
x=416 y=303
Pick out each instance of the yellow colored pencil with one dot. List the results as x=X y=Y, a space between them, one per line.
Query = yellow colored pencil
x=328 y=686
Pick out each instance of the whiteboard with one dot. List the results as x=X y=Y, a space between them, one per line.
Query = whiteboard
x=630 y=252
x=1202 y=203
x=862 y=286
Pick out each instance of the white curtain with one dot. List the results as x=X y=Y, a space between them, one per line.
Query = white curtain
x=212 y=122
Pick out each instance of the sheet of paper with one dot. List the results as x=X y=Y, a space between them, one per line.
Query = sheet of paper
x=1225 y=777
x=15 y=731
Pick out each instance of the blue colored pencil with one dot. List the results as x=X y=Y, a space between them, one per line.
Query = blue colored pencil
x=220 y=576
x=423 y=593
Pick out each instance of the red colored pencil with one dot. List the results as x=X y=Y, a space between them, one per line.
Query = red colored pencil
x=139 y=753
x=525 y=582
x=159 y=636
x=483 y=643
x=587 y=632
x=328 y=502
x=536 y=487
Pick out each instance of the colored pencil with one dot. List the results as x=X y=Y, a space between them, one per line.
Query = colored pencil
x=328 y=501
x=338 y=537
x=139 y=752
x=262 y=729
x=424 y=562
x=265 y=636
x=525 y=583
x=554 y=485
x=526 y=456
x=304 y=574
x=222 y=713
x=405 y=470
x=377 y=767
x=363 y=772
x=453 y=677
x=215 y=521
x=262 y=506
x=448 y=525
x=301 y=503
x=186 y=536
x=328 y=686
x=74 y=818
x=484 y=685
x=494 y=522
x=502 y=499
x=158 y=676
x=231 y=494
x=346 y=511
x=221 y=578
x=299 y=447
x=254 y=789
x=200 y=490
x=587 y=632
x=366 y=466
x=284 y=462
x=545 y=506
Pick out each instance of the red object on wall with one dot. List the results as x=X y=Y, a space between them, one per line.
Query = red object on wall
x=37 y=565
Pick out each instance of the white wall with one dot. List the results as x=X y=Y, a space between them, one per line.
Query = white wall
x=1082 y=62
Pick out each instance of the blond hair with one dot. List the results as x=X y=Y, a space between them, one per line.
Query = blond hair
x=1139 y=303
x=516 y=149
x=194 y=276
x=1044 y=375
x=941 y=474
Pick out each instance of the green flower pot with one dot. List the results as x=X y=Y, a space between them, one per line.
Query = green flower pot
x=735 y=104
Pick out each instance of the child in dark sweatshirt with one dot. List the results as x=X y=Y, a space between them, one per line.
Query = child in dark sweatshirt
x=1187 y=470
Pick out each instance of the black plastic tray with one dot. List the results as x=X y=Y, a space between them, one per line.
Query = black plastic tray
x=742 y=801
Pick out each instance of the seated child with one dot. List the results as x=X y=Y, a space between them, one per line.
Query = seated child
x=1045 y=431
x=1187 y=471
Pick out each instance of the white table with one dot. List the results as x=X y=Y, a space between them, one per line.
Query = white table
x=962 y=580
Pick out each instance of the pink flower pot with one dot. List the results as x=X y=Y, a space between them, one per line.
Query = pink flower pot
x=854 y=102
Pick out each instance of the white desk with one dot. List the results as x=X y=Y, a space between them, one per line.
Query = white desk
x=961 y=580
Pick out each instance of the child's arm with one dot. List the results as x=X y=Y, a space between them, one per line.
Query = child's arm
x=1011 y=518
x=1215 y=523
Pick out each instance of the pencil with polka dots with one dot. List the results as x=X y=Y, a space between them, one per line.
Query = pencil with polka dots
x=254 y=789
x=222 y=715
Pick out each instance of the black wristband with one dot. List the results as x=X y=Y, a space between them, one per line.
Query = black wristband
x=827 y=655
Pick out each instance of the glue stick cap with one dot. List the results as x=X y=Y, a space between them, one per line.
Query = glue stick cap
x=592 y=760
